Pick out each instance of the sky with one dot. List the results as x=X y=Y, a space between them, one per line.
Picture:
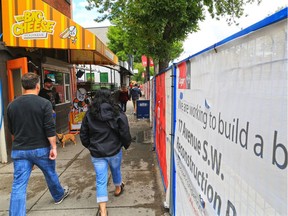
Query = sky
x=211 y=31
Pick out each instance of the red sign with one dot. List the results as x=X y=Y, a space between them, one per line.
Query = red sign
x=184 y=81
x=144 y=61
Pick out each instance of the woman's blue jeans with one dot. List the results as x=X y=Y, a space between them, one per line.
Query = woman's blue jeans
x=101 y=168
x=23 y=164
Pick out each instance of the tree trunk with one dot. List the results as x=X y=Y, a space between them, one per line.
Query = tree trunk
x=148 y=70
x=163 y=64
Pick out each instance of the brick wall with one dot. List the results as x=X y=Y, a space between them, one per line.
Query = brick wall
x=61 y=5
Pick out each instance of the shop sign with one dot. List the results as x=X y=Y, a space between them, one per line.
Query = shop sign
x=32 y=24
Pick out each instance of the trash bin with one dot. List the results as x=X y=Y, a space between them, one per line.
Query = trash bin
x=143 y=109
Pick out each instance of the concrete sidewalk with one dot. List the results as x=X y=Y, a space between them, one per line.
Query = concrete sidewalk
x=143 y=193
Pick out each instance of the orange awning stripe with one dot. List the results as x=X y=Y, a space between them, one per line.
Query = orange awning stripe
x=33 y=23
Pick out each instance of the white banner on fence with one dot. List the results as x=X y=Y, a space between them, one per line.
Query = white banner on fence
x=231 y=133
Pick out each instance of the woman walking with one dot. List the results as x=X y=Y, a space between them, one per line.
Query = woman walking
x=103 y=132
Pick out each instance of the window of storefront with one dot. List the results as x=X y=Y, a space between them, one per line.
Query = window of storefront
x=61 y=83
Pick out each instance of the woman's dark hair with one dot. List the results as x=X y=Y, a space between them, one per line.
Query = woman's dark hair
x=100 y=97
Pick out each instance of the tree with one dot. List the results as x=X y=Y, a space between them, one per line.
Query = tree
x=138 y=77
x=119 y=44
x=157 y=28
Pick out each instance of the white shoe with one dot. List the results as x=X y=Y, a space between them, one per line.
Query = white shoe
x=66 y=194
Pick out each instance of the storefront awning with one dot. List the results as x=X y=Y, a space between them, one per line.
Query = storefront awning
x=34 y=24
x=122 y=70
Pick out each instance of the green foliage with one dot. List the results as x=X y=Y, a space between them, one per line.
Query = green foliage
x=120 y=45
x=138 y=77
x=118 y=42
x=157 y=28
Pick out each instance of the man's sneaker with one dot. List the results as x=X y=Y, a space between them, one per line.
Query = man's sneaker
x=66 y=193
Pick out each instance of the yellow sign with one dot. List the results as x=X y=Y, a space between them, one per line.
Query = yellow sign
x=32 y=25
x=35 y=24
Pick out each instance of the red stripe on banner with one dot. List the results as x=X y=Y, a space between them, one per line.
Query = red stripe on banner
x=160 y=117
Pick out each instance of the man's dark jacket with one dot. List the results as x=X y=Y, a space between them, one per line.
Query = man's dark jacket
x=30 y=121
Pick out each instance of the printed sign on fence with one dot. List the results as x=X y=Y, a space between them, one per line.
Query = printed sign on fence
x=231 y=131
x=143 y=109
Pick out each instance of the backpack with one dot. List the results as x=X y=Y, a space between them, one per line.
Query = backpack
x=135 y=93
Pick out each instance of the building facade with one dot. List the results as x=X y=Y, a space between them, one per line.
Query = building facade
x=39 y=36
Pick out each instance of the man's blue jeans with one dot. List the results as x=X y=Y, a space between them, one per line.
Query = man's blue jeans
x=123 y=106
x=23 y=164
x=101 y=169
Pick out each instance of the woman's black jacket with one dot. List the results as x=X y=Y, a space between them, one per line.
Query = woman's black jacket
x=104 y=135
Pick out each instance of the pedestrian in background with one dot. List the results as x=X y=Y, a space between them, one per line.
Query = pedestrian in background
x=135 y=94
x=47 y=93
x=31 y=123
x=103 y=132
x=56 y=95
x=123 y=97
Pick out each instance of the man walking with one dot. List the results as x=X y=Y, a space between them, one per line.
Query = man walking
x=135 y=93
x=30 y=121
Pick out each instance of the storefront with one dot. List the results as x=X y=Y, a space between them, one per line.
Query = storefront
x=35 y=37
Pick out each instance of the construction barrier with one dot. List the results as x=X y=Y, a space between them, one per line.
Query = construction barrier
x=221 y=125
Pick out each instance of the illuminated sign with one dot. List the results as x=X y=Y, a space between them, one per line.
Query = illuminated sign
x=32 y=25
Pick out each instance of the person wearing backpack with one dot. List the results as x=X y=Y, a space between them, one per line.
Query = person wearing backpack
x=104 y=131
x=135 y=94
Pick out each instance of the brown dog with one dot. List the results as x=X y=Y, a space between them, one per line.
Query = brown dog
x=63 y=138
